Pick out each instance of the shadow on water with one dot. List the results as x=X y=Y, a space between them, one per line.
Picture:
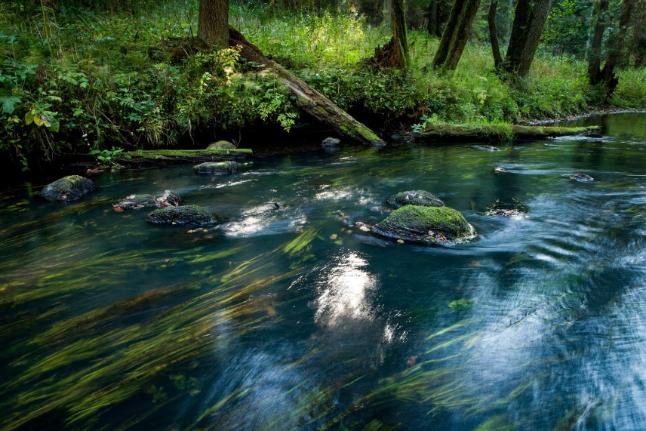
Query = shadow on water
x=293 y=320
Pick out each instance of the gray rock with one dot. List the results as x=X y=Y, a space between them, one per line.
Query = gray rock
x=581 y=178
x=68 y=188
x=330 y=143
x=138 y=201
x=504 y=209
x=414 y=197
x=216 y=168
x=183 y=215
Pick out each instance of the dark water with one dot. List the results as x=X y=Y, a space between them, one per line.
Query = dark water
x=271 y=322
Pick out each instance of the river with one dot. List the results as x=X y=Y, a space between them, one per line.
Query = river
x=294 y=320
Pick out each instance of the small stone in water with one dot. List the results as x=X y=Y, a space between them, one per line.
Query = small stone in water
x=400 y=241
x=334 y=237
x=581 y=178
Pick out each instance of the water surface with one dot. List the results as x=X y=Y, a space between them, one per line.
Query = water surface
x=294 y=320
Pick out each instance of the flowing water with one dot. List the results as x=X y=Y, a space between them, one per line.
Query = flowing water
x=293 y=320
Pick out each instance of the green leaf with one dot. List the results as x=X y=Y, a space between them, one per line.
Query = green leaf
x=9 y=103
x=29 y=117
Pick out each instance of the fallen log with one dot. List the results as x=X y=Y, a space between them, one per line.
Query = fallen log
x=142 y=158
x=495 y=132
x=307 y=98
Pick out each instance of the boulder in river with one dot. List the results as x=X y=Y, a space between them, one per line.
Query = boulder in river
x=424 y=225
x=330 y=143
x=138 y=201
x=414 y=197
x=221 y=145
x=68 y=188
x=216 y=168
x=183 y=215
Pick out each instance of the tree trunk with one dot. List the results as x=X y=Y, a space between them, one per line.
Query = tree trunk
x=529 y=20
x=433 y=26
x=456 y=34
x=594 y=55
x=307 y=98
x=214 y=22
x=606 y=76
x=394 y=54
x=493 y=34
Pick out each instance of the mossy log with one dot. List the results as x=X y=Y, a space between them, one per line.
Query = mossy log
x=495 y=132
x=170 y=156
x=307 y=98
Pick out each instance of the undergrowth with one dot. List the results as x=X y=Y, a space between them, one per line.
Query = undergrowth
x=78 y=80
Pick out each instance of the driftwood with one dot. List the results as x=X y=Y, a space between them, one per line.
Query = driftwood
x=307 y=98
x=495 y=133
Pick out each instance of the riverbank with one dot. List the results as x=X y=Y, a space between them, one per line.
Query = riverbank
x=75 y=82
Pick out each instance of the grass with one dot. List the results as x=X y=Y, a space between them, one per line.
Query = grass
x=80 y=80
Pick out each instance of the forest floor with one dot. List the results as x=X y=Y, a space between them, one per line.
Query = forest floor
x=77 y=81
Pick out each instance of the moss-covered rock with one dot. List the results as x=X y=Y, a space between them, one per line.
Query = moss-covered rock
x=414 y=197
x=138 y=201
x=423 y=224
x=216 y=168
x=184 y=215
x=221 y=145
x=68 y=188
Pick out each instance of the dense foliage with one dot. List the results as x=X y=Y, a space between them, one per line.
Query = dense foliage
x=79 y=79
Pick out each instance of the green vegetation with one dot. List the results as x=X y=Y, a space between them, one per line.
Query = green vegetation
x=75 y=80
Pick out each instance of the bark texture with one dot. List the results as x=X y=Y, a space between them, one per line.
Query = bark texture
x=605 y=76
x=307 y=98
x=529 y=20
x=437 y=13
x=395 y=53
x=213 y=27
x=493 y=34
x=456 y=34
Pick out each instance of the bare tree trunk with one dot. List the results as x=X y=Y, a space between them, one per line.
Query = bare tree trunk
x=395 y=53
x=594 y=55
x=529 y=20
x=456 y=34
x=606 y=76
x=400 y=39
x=493 y=34
x=214 y=22
x=307 y=98
x=433 y=26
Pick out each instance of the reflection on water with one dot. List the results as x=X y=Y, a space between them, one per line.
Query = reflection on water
x=285 y=317
x=345 y=293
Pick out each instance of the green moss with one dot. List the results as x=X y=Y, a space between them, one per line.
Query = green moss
x=423 y=218
x=426 y=224
x=172 y=153
x=222 y=145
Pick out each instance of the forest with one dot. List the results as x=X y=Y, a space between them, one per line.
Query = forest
x=79 y=77
x=322 y=215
